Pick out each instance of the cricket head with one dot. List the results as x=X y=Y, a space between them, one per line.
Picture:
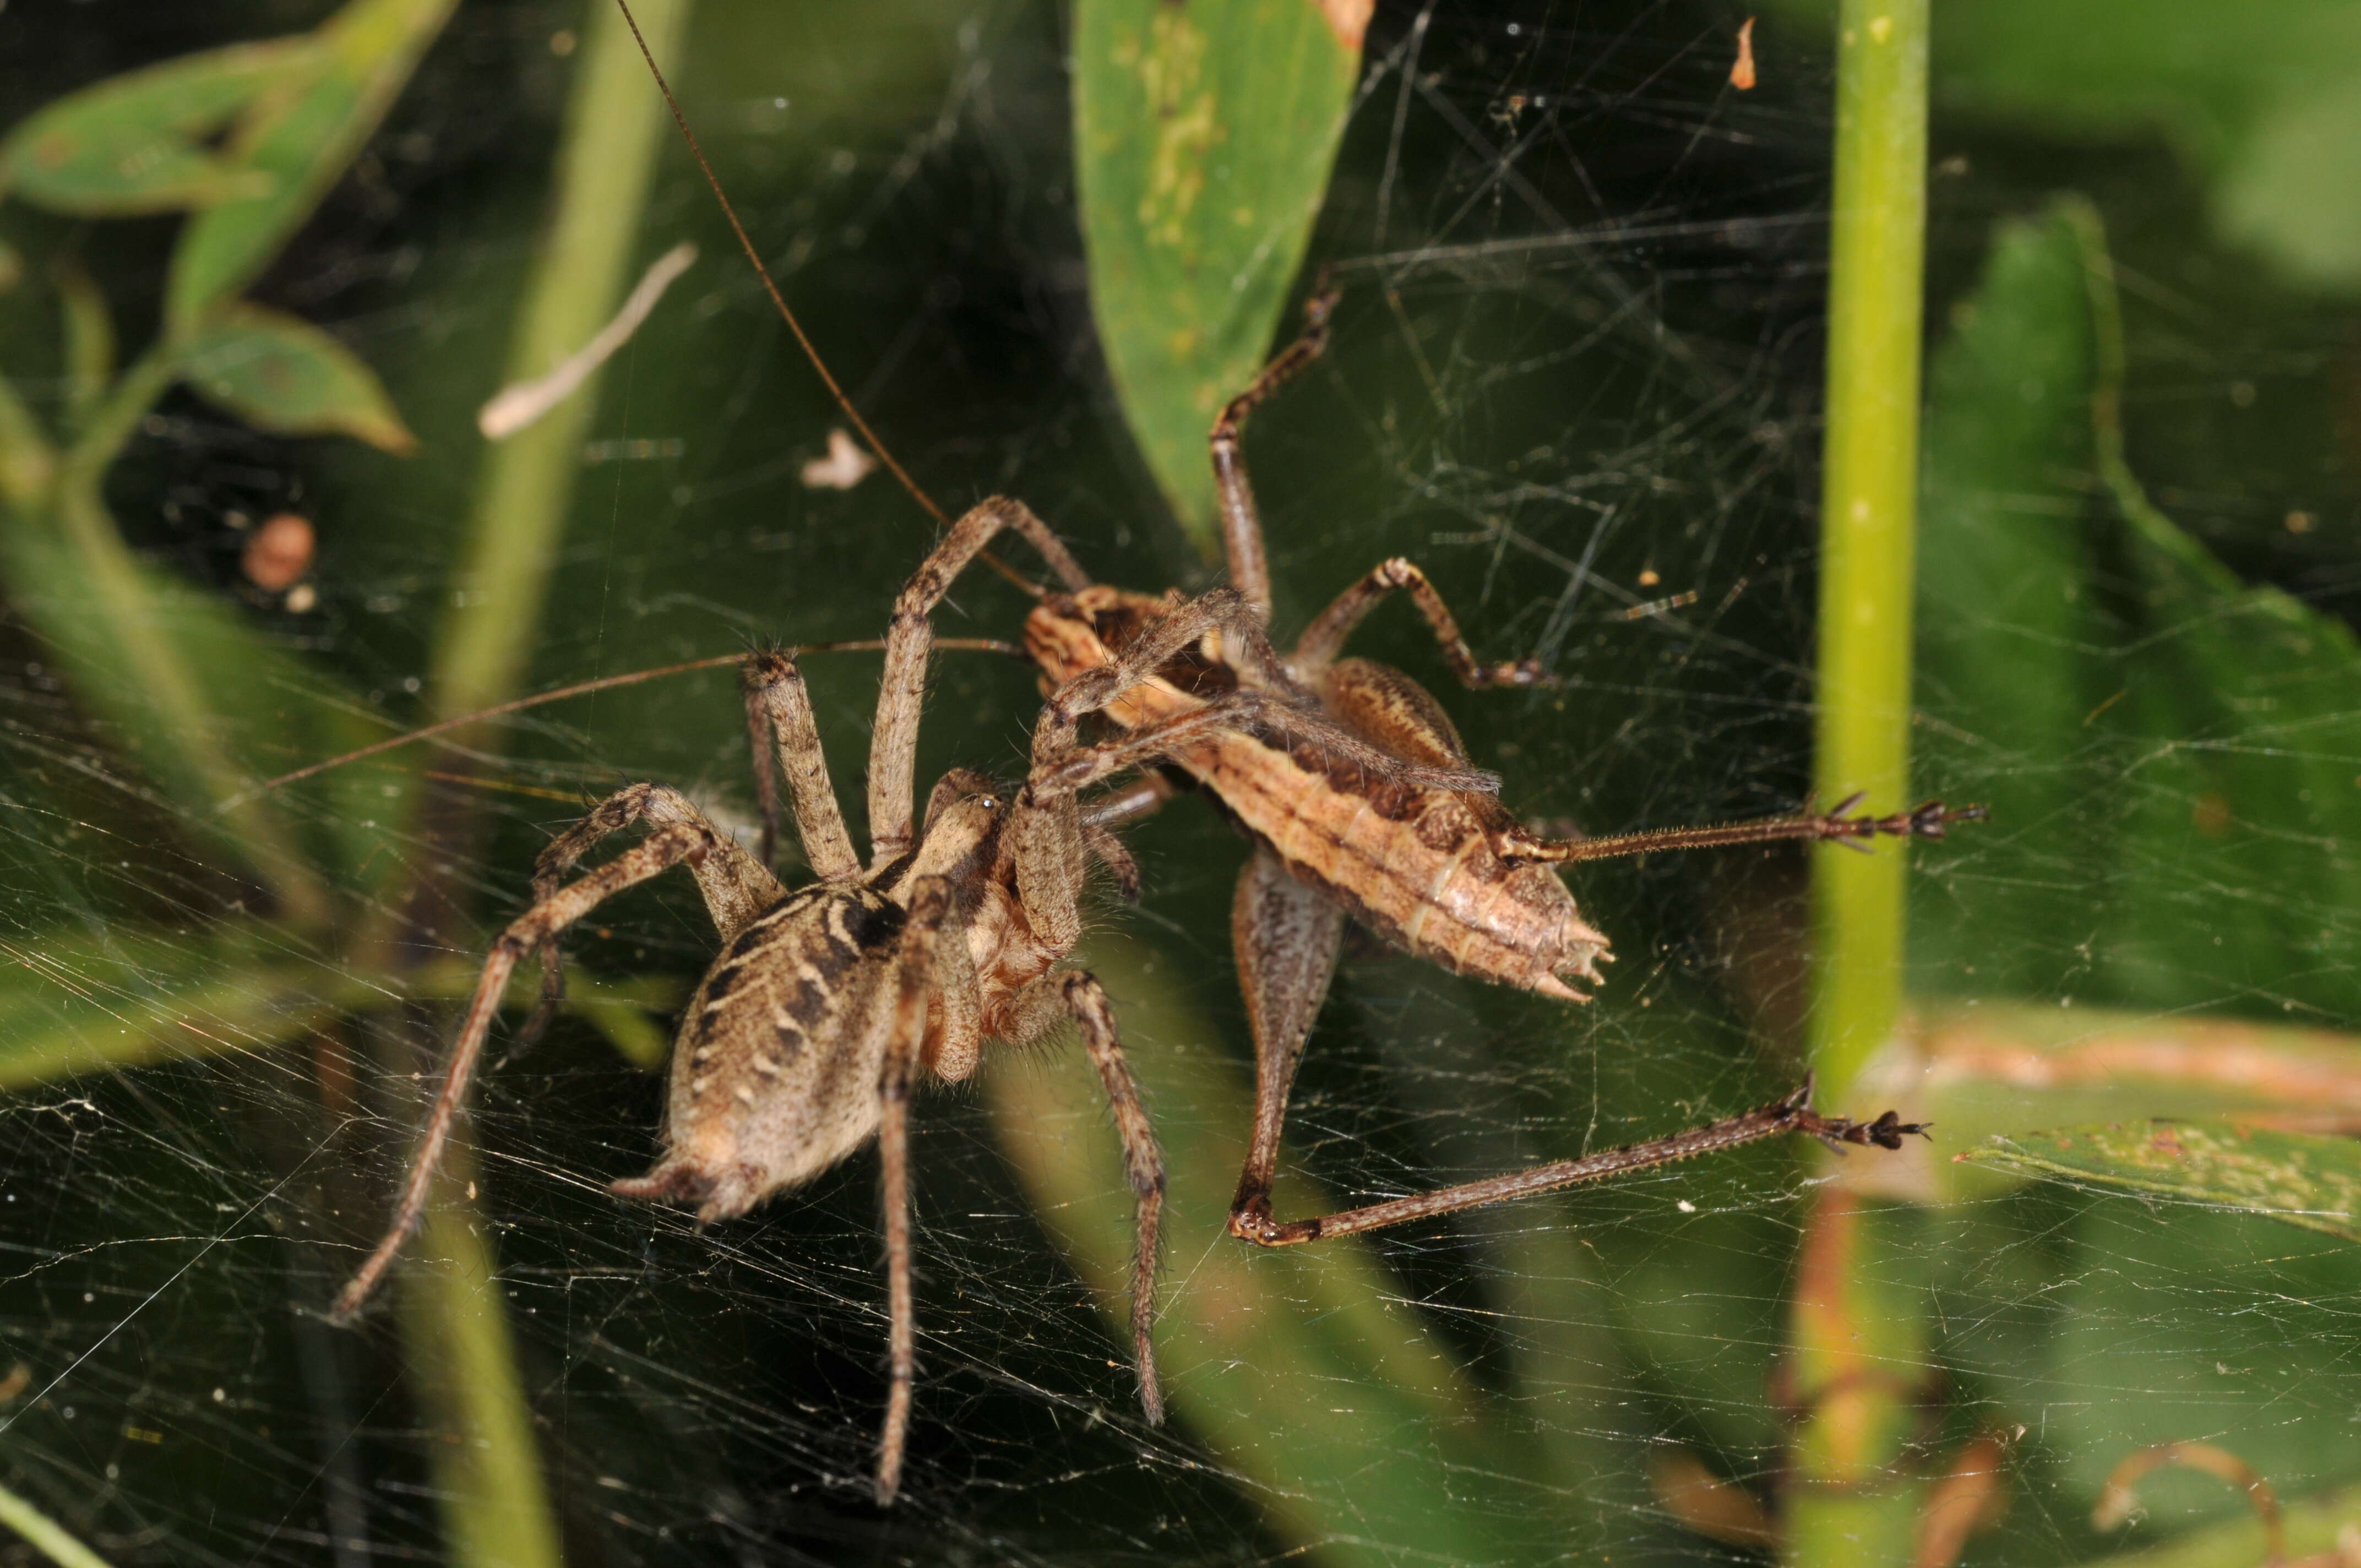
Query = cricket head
x=1071 y=634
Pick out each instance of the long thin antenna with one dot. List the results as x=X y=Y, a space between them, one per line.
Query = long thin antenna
x=746 y=243
x=604 y=683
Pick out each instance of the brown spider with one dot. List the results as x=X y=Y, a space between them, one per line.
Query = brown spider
x=824 y=1003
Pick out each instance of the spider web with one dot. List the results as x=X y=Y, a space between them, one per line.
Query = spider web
x=1576 y=376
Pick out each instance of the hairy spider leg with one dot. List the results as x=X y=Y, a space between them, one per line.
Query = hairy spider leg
x=930 y=906
x=777 y=702
x=778 y=708
x=901 y=696
x=683 y=834
x=1077 y=994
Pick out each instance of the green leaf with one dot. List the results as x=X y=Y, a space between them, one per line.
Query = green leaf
x=1989 y=1067
x=134 y=143
x=302 y=139
x=1203 y=135
x=75 y=1002
x=2172 y=756
x=2263 y=105
x=2263 y=109
x=2300 y=1178
x=282 y=374
x=2004 y=609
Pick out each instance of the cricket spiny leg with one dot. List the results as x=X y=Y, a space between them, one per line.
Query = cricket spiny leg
x=1241 y=521
x=1930 y=819
x=1792 y=1114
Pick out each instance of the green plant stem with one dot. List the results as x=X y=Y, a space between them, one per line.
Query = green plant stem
x=614 y=129
x=90 y=341
x=1858 y=1340
x=27 y=462
x=495 y=1501
x=496 y=1508
x=1868 y=516
x=1857 y=1367
x=44 y=1534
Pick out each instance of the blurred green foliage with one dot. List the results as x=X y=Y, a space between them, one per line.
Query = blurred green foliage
x=2261 y=105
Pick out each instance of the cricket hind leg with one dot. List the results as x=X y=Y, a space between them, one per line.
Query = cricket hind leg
x=1286 y=937
x=1792 y=1114
x=1929 y=819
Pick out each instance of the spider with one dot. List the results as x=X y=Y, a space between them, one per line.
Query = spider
x=827 y=1003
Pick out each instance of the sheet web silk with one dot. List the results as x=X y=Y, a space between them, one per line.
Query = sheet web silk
x=1576 y=377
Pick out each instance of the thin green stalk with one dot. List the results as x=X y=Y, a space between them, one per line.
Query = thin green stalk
x=494 y=1497
x=614 y=131
x=44 y=1534
x=90 y=342
x=496 y=1506
x=1857 y=1337
x=1868 y=517
x=27 y=462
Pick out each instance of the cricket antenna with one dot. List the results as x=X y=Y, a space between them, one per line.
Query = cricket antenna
x=746 y=243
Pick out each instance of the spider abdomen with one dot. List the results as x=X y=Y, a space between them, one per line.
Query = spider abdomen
x=774 y=1072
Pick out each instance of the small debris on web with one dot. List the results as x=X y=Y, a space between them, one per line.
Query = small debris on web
x=845 y=466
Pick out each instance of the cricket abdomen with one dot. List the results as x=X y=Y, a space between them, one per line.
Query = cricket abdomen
x=1416 y=865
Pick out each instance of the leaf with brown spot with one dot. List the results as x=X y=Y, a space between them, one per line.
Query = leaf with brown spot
x=2302 y=1179
x=282 y=374
x=134 y=143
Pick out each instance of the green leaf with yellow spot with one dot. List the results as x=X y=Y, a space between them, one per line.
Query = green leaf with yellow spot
x=1204 y=134
x=2305 y=1180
